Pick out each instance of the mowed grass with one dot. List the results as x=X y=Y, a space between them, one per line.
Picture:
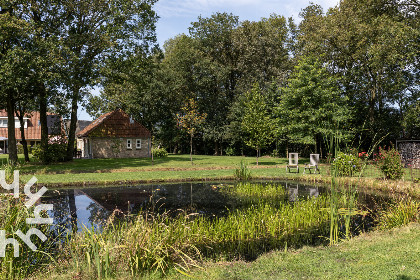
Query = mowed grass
x=174 y=162
x=392 y=254
x=179 y=168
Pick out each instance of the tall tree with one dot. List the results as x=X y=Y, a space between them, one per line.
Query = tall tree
x=14 y=40
x=99 y=29
x=372 y=47
x=312 y=107
x=256 y=121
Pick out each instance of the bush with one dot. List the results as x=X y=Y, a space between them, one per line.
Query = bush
x=346 y=164
x=20 y=149
x=275 y=153
x=56 y=151
x=390 y=164
x=159 y=153
x=229 y=151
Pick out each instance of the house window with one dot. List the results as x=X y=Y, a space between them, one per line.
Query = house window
x=138 y=143
x=129 y=144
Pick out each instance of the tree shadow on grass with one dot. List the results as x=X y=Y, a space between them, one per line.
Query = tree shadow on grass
x=405 y=277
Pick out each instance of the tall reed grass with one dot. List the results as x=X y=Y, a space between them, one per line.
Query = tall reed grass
x=157 y=242
x=243 y=172
x=13 y=214
x=399 y=214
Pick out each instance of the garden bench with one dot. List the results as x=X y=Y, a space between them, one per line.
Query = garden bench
x=313 y=164
x=293 y=162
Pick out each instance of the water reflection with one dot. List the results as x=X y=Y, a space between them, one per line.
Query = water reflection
x=77 y=208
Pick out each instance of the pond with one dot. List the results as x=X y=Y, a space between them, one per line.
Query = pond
x=92 y=206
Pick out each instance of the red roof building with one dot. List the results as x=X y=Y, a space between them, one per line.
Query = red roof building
x=114 y=135
x=32 y=127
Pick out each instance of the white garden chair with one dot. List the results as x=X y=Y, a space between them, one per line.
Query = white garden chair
x=293 y=162
x=313 y=164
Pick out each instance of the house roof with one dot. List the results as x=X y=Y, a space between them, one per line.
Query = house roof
x=33 y=130
x=80 y=125
x=115 y=124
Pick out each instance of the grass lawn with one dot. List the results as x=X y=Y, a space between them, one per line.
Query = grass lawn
x=141 y=164
x=179 y=168
x=390 y=254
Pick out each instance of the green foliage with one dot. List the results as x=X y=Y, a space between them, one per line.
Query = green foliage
x=399 y=214
x=159 y=153
x=243 y=172
x=13 y=215
x=257 y=123
x=230 y=151
x=56 y=151
x=346 y=164
x=157 y=242
x=20 y=149
x=311 y=104
x=389 y=162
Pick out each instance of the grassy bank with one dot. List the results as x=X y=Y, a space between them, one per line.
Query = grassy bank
x=391 y=254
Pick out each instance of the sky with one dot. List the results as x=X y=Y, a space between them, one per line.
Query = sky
x=176 y=16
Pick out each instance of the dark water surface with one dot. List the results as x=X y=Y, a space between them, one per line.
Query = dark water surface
x=92 y=206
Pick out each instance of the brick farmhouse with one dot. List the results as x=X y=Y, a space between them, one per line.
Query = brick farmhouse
x=32 y=128
x=114 y=135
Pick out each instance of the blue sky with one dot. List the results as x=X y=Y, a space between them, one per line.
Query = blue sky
x=176 y=16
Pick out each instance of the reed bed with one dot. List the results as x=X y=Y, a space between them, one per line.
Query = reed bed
x=158 y=242
x=399 y=214
x=13 y=214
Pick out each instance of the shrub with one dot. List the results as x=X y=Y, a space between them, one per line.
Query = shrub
x=20 y=149
x=275 y=153
x=346 y=164
x=390 y=164
x=56 y=151
x=229 y=151
x=159 y=153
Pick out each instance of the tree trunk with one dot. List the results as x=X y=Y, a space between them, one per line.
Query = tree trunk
x=257 y=155
x=216 y=148
x=191 y=149
x=13 y=158
x=44 y=125
x=20 y=114
x=73 y=123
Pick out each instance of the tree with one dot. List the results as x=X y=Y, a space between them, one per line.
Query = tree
x=256 y=121
x=14 y=56
x=190 y=120
x=97 y=30
x=372 y=48
x=312 y=107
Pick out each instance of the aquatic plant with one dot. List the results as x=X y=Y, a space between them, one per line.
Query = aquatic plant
x=243 y=172
x=158 y=242
x=13 y=215
x=399 y=214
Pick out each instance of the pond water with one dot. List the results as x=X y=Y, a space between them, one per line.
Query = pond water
x=87 y=207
